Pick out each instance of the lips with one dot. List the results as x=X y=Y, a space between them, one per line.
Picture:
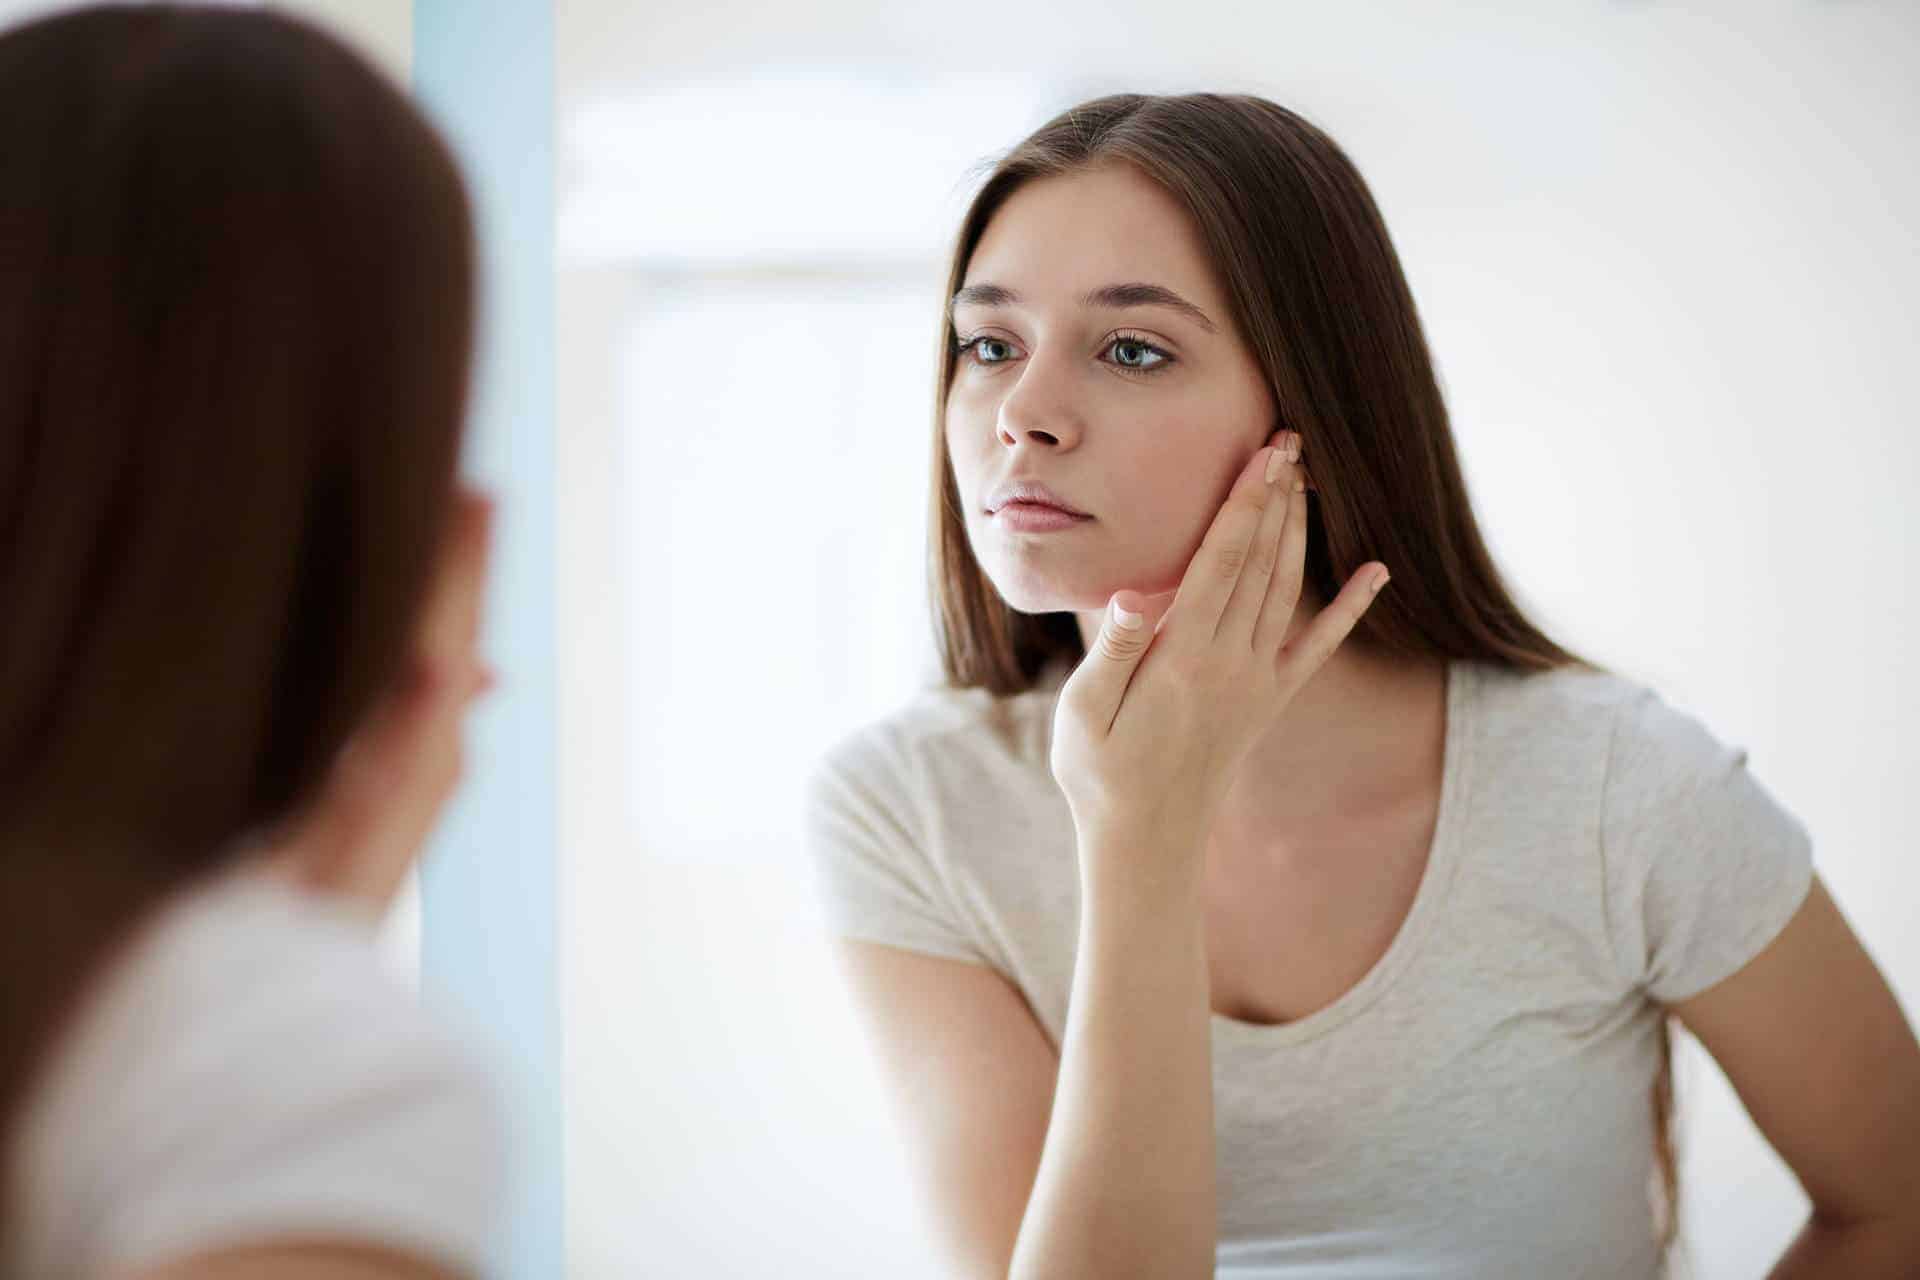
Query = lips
x=1033 y=517
x=1031 y=494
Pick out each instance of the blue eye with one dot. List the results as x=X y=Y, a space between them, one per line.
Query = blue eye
x=1134 y=354
x=978 y=347
x=1131 y=353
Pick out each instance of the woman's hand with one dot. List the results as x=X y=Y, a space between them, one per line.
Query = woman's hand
x=389 y=785
x=1151 y=726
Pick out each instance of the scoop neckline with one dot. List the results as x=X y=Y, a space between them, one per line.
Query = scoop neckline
x=1442 y=856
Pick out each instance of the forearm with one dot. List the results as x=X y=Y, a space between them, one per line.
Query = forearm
x=1125 y=1185
x=1865 y=1250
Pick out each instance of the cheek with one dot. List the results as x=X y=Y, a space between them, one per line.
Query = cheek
x=963 y=455
x=1184 y=470
x=970 y=415
x=1177 y=492
x=969 y=393
x=971 y=443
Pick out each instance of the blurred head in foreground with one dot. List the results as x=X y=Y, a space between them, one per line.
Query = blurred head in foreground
x=236 y=297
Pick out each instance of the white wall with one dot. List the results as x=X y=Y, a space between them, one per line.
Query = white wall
x=1663 y=257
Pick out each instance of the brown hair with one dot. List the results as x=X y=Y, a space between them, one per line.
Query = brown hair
x=1318 y=295
x=236 y=285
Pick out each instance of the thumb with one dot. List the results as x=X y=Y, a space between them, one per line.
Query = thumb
x=1126 y=631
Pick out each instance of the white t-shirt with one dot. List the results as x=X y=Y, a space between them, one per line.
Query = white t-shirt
x=250 y=1071
x=1478 y=1104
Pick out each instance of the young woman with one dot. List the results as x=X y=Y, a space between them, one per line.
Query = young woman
x=242 y=591
x=1258 y=925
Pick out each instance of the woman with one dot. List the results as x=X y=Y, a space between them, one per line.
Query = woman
x=1256 y=922
x=242 y=597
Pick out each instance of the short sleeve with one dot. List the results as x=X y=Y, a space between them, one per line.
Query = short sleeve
x=258 y=1076
x=872 y=867
x=399 y=1144
x=1703 y=866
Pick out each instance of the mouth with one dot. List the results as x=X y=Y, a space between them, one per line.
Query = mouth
x=1036 y=517
x=1032 y=495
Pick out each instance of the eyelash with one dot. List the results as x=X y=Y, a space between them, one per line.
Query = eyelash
x=961 y=346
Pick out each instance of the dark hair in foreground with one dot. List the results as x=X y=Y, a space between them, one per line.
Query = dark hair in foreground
x=236 y=295
x=1318 y=296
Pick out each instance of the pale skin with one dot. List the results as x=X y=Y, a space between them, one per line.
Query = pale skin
x=1218 y=762
x=357 y=842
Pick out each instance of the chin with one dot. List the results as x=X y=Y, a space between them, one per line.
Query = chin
x=1037 y=601
x=1028 y=586
x=1032 y=593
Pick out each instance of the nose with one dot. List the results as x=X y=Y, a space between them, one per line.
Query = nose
x=1039 y=410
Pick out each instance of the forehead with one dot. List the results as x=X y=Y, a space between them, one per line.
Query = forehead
x=1065 y=234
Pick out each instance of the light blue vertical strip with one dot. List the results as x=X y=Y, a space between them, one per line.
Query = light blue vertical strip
x=488 y=898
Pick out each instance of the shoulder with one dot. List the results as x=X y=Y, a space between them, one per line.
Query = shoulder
x=923 y=823
x=941 y=731
x=258 y=967
x=1657 y=740
x=251 y=1068
x=1558 y=700
x=1650 y=740
x=1632 y=739
x=1702 y=862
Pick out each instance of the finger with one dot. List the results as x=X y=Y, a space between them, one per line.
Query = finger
x=1283 y=589
x=346 y=806
x=1159 y=607
x=476 y=562
x=385 y=789
x=450 y=624
x=1242 y=614
x=1153 y=608
x=391 y=806
x=1317 y=641
x=395 y=745
x=471 y=553
x=1215 y=569
x=1127 y=628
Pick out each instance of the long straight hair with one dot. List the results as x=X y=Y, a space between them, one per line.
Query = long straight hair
x=236 y=285
x=1317 y=292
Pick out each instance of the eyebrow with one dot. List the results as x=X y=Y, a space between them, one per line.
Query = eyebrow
x=1131 y=294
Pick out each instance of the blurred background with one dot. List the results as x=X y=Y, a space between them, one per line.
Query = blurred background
x=1664 y=259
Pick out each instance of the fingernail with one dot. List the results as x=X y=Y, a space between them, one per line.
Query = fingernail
x=1380 y=580
x=1293 y=446
x=1127 y=619
x=1273 y=465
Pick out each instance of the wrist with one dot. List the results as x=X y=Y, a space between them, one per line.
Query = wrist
x=1150 y=872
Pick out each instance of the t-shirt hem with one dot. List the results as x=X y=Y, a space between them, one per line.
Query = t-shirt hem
x=919 y=943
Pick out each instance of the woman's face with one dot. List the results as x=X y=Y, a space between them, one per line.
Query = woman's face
x=1087 y=374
